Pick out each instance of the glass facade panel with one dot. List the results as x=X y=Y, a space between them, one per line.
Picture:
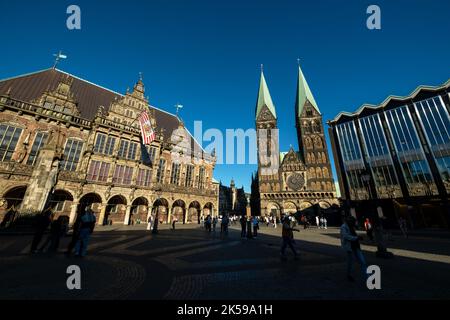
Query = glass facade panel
x=379 y=158
x=354 y=167
x=435 y=122
x=406 y=141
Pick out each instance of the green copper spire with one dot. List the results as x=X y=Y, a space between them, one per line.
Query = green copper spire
x=303 y=94
x=264 y=98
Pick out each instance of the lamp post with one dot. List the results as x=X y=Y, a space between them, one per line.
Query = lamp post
x=155 y=225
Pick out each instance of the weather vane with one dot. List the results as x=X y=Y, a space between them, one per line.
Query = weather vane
x=178 y=107
x=58 y=56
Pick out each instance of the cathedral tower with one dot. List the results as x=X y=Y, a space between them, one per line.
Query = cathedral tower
x=311 y=138
x=267 y=136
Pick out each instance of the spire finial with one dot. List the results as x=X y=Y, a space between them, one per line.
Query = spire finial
x=141 y=78
x=262 y=67
x=298 y=62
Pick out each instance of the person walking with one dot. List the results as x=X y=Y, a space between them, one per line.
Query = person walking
x=321 y=222
x=75 y=234
x=325 y=223
x=317 y=222
x=86 y=228
x=403 y=226
x=41 y=224
x=243 y=226
x=174 y=220
x=255 y=226
x=57 y=230
x=288 y=239
x=369 y=229
x=224 y=224
x=350 y=244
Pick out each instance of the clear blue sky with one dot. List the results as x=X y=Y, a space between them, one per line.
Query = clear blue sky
x=206 y=54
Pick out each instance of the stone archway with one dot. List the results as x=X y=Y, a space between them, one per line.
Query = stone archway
x=289 y=208
x=178 y=211
x=60 y=202
x=115 y=210
x=208 y=209
x=161 y=209
x=273 y=209
x=10 y=204
x=194 y=212
x=89 y=200
x=139 y=210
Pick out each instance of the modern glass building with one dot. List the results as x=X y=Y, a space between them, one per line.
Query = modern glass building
x=393 y=159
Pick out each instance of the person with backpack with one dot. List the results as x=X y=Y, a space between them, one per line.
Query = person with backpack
x=87 y=226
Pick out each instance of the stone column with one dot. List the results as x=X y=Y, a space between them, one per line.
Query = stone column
x=127 y=215
x=101 y=216
x=73 y=213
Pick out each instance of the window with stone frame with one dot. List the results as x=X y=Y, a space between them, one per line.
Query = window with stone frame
x=104 y=144
x=127 y=149
x=160 y=172
x=72 y=153
x=123 y=175
x=189 y=176
x=175 y=174
x=152 y=153
x=201 y=178
x=38 y=143
x=9 y=135
x=98 y=171
x=144 y=177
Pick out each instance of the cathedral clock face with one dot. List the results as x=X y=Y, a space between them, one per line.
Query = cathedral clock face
x=295 y=181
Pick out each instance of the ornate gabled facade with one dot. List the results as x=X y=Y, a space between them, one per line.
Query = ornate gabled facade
x=66 y=144
x=292 y=181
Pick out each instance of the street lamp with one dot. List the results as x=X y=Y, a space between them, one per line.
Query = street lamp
x=155 y=225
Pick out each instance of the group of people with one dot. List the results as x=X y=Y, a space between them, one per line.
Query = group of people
x=321 y=222
x=82 y=229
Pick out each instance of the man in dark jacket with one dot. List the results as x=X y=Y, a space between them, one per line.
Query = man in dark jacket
x=41 y=224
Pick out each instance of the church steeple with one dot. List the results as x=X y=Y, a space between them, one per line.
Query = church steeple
x=264 y=98
x=304 y=94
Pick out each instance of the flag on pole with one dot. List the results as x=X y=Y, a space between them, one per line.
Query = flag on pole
x=147 y=132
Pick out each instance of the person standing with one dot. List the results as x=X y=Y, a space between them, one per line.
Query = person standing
x=288 y=239
x=75 y=234
x=317 y=222
x=325 y=223
x=321 y=222
x=86 y=228
x=350 y=244
x=174 y=220
x=214 y=223
x=41 y=224
x=368 y=228
x=150 y=222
